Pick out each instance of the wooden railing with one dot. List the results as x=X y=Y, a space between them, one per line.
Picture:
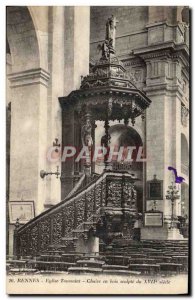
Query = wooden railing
x=59 y=221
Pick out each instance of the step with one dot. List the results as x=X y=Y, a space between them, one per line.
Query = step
x=50 y=257
x=117 y=259
x=115 y=267
x=58 y=252
x=45 y=272
x=95 y=255
x=142 y=260
x=170 y=267
x=117 y=256
x=27 y=270
x=67 y=239
x=18 y=261
x=84 y=270
x=70 y=257
x=181 y=257
x=139 y=255
x=145 y=267
x=90 y=261
x=51 y=263
x=121 y=272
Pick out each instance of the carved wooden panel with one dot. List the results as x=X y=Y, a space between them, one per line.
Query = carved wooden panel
x=129 y=195
x=90 y=202
x=23 y=244
x=57 y=227
x=44 y=233
x=68 y=216
x=114 y=192
x=34 y=237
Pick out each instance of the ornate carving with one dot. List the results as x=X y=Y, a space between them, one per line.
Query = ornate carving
x=111 y=199
x=80 y=209
x=86 y=131
x=135 y=75
x=45 y=227
x=105 y=50
x=184 y=115
x=105 y=142
x=68 y=216
x=111 y=33
x=34 y=239
x=57 y=228
x=108 y=46
x=87 y=141
x=24 y=244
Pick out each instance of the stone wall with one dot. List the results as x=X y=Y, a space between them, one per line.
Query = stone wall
x=132 y=22
x=153 y=43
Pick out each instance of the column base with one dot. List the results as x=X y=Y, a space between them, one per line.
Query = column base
x=87 y=246
x=160 y=233
x=174 y=234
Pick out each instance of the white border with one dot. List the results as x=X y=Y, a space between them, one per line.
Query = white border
x=2 y=109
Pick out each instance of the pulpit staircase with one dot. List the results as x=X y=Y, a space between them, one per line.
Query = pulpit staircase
x=104 y=209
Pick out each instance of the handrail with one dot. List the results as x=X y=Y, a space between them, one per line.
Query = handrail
x=88 y=187
x=112 y=190
x=77 y=186
x=62 y=203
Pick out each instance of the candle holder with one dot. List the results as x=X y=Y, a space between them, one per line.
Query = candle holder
x=172 y=195
x=44 y=173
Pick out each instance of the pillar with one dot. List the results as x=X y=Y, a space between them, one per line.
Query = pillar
x=76 y=64
x=55 y=89
x=76 y=45
x=28 y=138
x=145 y=156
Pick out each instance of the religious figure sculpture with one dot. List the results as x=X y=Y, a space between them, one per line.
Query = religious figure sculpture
x=86 y=134
x=108 y=46
x=87 y=141
x=111 y=33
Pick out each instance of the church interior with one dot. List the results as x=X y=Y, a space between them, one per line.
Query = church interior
x=97 y=139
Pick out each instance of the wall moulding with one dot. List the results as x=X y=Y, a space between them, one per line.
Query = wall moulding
x=166 y=50
x=29 y=77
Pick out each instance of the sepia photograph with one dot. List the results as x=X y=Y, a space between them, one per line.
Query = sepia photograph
x=97 y=150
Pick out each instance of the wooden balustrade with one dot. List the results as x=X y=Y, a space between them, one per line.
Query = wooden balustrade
x=59 y=221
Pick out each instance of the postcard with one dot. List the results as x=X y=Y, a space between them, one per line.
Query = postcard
x=97 y=133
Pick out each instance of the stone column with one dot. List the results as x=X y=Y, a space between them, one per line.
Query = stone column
x=28 y=137
x=164 y=115
x=56 y=89
x=145 y=156
x=76 y=41
x=76 y=64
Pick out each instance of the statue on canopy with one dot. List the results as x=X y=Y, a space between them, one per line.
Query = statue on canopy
x=108 y=46
x=111 y=32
